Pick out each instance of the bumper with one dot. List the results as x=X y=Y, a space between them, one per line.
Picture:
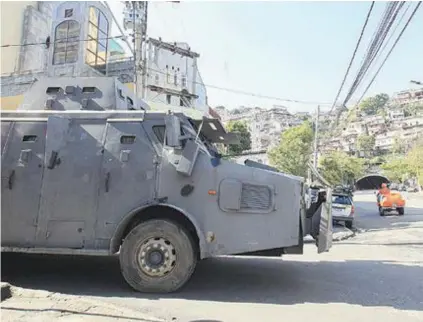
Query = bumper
x=342 y=218
x=391 y=208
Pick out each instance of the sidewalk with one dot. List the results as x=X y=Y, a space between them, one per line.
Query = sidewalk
x=36 y=305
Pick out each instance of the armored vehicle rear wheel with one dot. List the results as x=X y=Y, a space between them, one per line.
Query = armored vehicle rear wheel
x=157 y=256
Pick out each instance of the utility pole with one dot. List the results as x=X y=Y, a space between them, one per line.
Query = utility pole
x=136 y=13
x=316 y=132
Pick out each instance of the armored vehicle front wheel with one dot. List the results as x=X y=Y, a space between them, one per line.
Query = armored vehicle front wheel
x=157 y=256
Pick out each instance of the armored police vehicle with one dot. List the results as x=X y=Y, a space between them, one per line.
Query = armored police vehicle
x=86 y=169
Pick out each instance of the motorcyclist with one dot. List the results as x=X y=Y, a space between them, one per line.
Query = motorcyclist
x=384 y=190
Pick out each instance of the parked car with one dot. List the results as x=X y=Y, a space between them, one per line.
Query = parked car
x=412 y=189
x=394 y=186
x=343 y=209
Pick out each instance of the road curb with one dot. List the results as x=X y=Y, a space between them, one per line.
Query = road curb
x=6 y=291
x=345 y=236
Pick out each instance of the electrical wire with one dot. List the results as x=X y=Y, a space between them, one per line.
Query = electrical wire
x=249 y=93
x=377 y=43
x=60 y=41
x=390 y=51
x=257 y=95
x=390 y=37
x=370 y=51
x=354 y=53
x=374 y=49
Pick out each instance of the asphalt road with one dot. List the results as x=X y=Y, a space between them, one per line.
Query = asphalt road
x=375 y=276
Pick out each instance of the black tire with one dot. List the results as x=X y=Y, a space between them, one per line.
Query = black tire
x=183 y=255
x=349 y=224
x=381 y=212
x=400 y=211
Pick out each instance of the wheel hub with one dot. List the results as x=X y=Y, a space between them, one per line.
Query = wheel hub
x=156 y=257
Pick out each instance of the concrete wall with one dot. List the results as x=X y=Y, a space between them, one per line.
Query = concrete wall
x=12 y=27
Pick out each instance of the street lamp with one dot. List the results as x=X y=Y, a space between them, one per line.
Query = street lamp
x=416 y=82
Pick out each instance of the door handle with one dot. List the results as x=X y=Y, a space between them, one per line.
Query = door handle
x=106 y=182
x=11 y=179
x=53 y=160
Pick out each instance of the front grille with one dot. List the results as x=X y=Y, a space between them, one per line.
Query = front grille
x=255 y=197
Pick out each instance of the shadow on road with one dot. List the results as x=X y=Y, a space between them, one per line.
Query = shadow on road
x=233 y=279
x=6 y=308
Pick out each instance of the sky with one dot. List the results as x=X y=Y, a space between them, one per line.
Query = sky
x=289 y=50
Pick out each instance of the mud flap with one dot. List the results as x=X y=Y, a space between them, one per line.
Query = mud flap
x=324 y=241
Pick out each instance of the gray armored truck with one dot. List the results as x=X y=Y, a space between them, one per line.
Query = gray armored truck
x=79 y=178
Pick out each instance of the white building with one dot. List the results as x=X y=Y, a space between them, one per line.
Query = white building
x=396 y=115
x=407 y=96
x=77 y=37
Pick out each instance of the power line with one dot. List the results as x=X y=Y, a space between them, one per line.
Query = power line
x=354 y=53
x=390 y=51
x=60 y=41
x=392 y=34
x=48 y=43
x=376 y=45
x=249 y=93
x=161 y=72
x=390 y=15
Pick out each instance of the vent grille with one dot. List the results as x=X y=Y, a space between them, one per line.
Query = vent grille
x=255 y=197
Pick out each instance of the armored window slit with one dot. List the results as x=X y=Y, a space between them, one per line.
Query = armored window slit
x=89 y=89
x=29 y=138
x=127 y=139
x=53 y=90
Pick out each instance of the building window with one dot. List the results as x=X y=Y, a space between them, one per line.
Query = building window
x=98 y=32
x=167 y=75
x=68 y=13
x=66 y=42
x=184 y=81
x=168 y=98
x=175 y=80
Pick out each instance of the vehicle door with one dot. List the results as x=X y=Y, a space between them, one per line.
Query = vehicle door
x=23 y=146
x=69 y=194
x=128 y=174
x=326 y=225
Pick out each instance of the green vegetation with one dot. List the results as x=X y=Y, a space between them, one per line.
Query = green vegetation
x=294 y=151
x=374 y=105
x=245 y=137
x=403 y=167
x=365 y=142
x=340 y=168
x=413 y=109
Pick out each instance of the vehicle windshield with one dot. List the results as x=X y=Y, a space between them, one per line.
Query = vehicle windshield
x=206 y=145
x=191 y=130
x=340 y=199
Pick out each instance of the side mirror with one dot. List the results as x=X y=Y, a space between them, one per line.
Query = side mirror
x=173 y=130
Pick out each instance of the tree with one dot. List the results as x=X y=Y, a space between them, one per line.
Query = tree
x=395 y=168
x=414 y=160
x=245 y=137
x=372 y=105
x=413 y=109
x=340 y=168
x=398 y=147
x=365 y=142
x=405 y=167
x=293 y=152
